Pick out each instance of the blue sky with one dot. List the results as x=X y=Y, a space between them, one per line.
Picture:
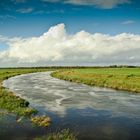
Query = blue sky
x=102 y=23
x=33 y=17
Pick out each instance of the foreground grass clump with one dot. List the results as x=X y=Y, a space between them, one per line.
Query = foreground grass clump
x=117 y=78
x=15 y=104
x=11 y=102
x=41 y=120
x=62 y=135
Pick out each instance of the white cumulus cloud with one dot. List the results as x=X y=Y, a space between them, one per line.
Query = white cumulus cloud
x=56 y=47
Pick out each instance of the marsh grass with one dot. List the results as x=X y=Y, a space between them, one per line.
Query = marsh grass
x=15 y=104
x=41 y=120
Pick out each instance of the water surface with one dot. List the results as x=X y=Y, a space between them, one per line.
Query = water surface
x=91 y=112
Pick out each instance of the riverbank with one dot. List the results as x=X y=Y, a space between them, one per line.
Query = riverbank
x=14 y=104
x=117 y=78
x=9 y=100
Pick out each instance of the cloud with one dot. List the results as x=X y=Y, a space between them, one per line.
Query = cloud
x=128 y=22
x=105 y=4
x=56 y=47
x=25 y=10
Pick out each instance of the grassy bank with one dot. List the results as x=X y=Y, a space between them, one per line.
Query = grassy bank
x=9 y=100
x=117 y=78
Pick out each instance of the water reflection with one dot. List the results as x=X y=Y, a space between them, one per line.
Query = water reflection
x=58 y=96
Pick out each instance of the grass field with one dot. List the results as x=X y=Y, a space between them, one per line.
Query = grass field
x=117 y=78
x=11 y=102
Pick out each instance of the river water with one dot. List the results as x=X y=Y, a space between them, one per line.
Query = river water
x=92 y=113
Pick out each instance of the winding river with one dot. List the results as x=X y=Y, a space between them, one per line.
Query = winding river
x=90 y=112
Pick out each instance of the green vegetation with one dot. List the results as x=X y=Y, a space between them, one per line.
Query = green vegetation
x=11 y=102
x=117 y=78
x=14 y=103
x=41 y=120
x=62 y=135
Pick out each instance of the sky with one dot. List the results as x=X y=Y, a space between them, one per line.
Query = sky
x=69 y=32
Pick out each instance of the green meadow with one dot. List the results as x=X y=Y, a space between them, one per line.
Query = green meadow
x=117 y=78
